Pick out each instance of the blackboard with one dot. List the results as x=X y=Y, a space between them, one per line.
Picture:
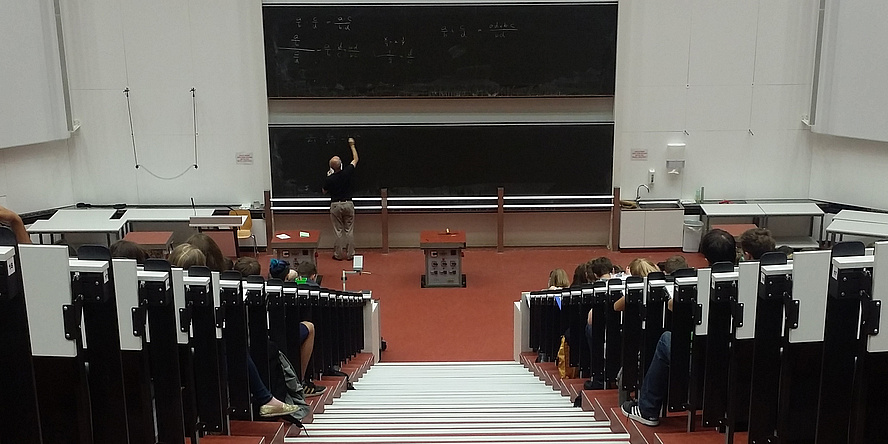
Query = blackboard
x=448 y=160
x=440 y=50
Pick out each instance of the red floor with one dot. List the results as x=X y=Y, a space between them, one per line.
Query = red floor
x=460 y=324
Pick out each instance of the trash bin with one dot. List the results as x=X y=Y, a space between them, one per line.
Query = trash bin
x=693 y=232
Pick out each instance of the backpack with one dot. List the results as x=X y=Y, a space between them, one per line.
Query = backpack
x=562 y=361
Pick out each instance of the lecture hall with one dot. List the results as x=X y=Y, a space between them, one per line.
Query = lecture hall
x=487 y=221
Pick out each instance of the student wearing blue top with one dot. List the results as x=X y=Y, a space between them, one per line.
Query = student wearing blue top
x=342 y=210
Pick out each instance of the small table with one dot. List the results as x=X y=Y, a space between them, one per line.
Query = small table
x=443 y=253
x=157 y=243
x=296 y=246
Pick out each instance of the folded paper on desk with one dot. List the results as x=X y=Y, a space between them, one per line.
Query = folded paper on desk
x=282 y=236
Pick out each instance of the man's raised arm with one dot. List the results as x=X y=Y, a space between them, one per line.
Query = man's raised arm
x=351 y=144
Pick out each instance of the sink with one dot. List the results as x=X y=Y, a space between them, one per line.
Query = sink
x=659 y=204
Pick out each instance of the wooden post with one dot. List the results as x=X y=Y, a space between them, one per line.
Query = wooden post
x=500 y=220
x=385 y=224
x=269 y=220
x=615 y=222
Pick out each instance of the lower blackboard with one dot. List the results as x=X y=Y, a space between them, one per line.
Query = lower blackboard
x=448 y=160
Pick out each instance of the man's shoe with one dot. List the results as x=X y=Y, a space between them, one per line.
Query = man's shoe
x=309 y=389
x=630 y=410
x=270 y=411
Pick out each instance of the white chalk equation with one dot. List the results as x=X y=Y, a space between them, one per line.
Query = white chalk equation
x=497 y=29
x=392 y=49
x=342 y=23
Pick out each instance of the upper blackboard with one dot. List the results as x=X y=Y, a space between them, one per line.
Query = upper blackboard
x=448 y=160
x=440 y=51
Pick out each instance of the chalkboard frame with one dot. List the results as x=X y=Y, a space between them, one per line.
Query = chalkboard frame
x=438 y=52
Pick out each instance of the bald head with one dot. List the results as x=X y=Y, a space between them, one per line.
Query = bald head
x=335 y=163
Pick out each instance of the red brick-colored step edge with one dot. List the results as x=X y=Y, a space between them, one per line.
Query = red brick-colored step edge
x=701 y=437
x=220 y=439
x=273 y=431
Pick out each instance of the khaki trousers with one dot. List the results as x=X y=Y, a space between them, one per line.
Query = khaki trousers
x=343 y=216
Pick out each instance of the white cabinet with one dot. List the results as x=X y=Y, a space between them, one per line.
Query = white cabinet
x=651 y=228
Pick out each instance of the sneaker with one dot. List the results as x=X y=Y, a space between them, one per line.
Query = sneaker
x=632 y=411
x=270 y=411
x=310 y=389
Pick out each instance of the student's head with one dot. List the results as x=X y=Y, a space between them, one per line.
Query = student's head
x=186 y=256
x=718 y=246
x=787 y=250
x=641 y=267
x=335 y=163
x=248 y=266
x=279 y=269
x=558 y=278
x=206 y=244
x=128 y=250
x=676 y=262
x=755 y=242
x=580 y=275
x=600 y=267
x=307 y=270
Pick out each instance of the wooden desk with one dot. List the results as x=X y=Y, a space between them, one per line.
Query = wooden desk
x=158 y=243
x=296 y=248
x=443 y=253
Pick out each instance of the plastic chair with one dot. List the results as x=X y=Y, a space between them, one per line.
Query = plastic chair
x=246 y=230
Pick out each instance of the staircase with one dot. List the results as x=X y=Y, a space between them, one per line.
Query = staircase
x=461 y=402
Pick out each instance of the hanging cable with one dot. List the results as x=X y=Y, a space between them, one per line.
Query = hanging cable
x=129 y=111
x=133 y=137
x=194 y=114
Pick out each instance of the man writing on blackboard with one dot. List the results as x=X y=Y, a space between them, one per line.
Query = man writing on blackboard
x=342 y=209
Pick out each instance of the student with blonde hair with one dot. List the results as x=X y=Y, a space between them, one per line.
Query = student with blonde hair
x=558 y=279
x=186 y=256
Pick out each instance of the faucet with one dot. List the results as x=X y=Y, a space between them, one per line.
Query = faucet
x=638 y=191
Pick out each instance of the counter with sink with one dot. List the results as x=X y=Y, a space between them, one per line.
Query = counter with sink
x=653 y=223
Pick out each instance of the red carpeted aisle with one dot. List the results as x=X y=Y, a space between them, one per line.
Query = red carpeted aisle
x=460 y=324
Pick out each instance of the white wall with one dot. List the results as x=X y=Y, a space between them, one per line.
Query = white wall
x=36 y=177
x=731 y=79
x=160 y=50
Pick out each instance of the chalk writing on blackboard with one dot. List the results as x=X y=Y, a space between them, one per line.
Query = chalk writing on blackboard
x=440 y=51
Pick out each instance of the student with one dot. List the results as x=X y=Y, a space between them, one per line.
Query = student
x=186 y=255
x=12 y=220
x=640 y=266
x=280 y=269
x=755 y=242
x=676 y=262
x=215 y=259
x=580 y=276
x=558 y=279
x=598 y=269
x=248 y=266
x=307 y=273
x=129 y=250
x=717 y=246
